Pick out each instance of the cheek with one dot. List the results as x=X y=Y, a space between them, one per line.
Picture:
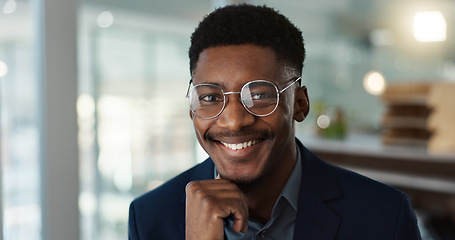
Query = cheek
x=198 y=129
x=283 y=121
x=199 y=136
x=286 y=109
x=201 y=127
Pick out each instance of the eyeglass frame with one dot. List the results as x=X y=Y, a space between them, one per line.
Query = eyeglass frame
x=240 y=98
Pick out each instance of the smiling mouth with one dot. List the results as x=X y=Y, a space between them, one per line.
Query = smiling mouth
x=239 y=146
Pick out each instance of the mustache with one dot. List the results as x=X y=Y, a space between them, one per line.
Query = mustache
x=229 y=134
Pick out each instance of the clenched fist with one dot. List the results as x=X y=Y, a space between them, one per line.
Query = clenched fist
x=208 y=202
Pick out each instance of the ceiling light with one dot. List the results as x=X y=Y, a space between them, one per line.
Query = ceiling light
x=430 y=27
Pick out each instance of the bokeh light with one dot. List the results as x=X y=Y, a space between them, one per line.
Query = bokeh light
x=374 y=83
x=3 y=69
x=105 y=19
x=323 y=121
x=430 y=27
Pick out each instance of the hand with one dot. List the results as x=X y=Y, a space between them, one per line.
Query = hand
x=207 y=203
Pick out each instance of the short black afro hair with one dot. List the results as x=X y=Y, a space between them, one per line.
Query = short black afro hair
x=249 y=24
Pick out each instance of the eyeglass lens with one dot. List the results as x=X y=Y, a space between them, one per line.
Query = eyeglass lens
x=258 y=97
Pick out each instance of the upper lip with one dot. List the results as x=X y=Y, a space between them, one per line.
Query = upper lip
x=238 y=137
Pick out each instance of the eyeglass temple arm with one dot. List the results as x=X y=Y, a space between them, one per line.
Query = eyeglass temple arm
x=188 y=90
x=288 y=86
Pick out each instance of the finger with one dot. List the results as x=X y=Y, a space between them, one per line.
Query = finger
x=211 y=185
x=220 y=197
x=240 y=223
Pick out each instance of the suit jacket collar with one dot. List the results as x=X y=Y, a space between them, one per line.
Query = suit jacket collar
x=314 y=219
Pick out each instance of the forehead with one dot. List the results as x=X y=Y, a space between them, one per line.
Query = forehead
x=237 y=64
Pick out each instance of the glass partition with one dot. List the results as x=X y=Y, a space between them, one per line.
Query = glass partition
x=134 y=128
x=19 y=124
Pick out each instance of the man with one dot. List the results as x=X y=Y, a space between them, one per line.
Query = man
x=260 y=182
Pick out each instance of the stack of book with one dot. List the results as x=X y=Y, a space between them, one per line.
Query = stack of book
x=420 y=114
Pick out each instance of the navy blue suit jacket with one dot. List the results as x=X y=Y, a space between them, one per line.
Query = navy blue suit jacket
x=334 y=203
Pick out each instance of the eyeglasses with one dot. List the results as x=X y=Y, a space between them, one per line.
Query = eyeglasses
x=259 y=97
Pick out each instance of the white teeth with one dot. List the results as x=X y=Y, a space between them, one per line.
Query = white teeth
x=239 y=146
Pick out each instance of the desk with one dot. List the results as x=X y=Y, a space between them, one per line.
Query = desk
x=428 y=178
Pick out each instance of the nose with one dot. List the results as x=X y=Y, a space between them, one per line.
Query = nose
x=234 y=116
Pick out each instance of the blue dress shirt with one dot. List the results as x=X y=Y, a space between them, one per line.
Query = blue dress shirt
x=281 y=225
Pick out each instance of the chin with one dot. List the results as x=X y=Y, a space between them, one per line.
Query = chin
x=241 y=179
x=244 y=183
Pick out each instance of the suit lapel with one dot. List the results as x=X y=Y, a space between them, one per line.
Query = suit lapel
x=314 y=219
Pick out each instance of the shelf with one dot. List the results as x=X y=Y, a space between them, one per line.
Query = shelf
x=427 y=177
x=367 y=153
x=409 y=181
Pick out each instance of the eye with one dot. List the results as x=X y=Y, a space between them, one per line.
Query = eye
x=262 y=96
x=211 y=98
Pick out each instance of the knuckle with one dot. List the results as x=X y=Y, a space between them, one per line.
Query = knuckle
x=192 y=186
x=202 y=194
x=209 y=203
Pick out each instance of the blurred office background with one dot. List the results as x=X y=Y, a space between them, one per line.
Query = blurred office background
x=93 y=109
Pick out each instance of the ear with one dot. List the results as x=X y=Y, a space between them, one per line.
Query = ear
x=302 y=104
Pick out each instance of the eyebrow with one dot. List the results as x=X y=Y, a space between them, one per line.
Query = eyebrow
x=221 y=85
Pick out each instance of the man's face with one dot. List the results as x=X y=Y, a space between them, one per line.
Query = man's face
x=271 y=138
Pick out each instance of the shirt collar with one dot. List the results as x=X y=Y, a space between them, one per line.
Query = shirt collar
x=292 y=188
